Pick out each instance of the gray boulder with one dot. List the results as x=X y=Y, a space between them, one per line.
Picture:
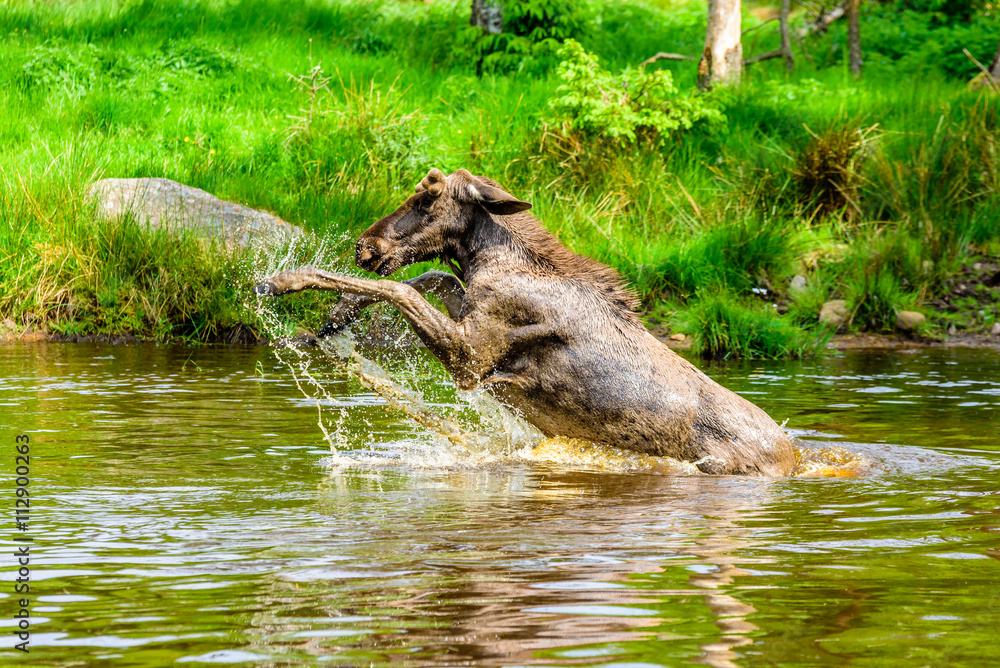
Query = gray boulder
x=908 y=321
x=797 y=286
x=834 y=313
x=166 y=203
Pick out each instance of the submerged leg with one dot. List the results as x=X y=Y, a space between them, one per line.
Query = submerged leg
x=442 y=335
x=445 y=286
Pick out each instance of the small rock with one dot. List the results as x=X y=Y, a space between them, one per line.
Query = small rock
x=995 y=331
x=834 y=313
x=797 y=286
x=166 y=203
x=909 y=320
x=9 y=324
x=678 y=337
x=977 y=266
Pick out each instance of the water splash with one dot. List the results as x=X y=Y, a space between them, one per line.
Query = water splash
x=834 y=461
x=579 y=453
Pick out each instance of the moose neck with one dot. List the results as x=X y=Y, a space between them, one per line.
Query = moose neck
x=519 y=243
x=487 y=244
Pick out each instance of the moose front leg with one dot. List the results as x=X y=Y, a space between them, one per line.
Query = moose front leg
x=442 y=284
x=445 y=338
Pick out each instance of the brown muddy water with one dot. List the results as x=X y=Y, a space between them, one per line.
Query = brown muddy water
x=186 y=508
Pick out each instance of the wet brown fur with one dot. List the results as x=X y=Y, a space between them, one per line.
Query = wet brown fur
x=549 y=333
x=551 y=257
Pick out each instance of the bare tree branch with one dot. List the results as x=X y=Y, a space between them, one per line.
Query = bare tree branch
x=764 y=56
x=759 y=25
x=825 y=20
x=665 y=56
x=987 y=76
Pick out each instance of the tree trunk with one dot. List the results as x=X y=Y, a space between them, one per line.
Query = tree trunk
x=488 y=15
x=786 y=42
x=995 y=66
x=854 y=36
x=722 y=61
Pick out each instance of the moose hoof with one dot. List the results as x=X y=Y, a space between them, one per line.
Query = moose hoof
x=266 y=288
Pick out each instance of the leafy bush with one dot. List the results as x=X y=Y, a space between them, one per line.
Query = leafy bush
x=624 y=108
x=944 y=11
x=532 y=33
x=920 y=40
x=74 y=70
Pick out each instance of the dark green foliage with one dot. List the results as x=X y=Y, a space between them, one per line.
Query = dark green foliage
x=532 y=33
x=924 y=40
x=943 y=11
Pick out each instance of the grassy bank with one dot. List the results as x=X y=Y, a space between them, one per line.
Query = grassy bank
x=881 y=192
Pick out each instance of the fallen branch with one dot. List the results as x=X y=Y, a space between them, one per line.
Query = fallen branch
x=764 y=56
x=665 y=56
x=824 y=21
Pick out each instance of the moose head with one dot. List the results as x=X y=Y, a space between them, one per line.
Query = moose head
x=431 y=223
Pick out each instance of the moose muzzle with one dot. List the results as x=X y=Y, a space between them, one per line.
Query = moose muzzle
x=371 y=253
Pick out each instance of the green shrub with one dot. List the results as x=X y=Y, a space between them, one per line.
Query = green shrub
x=739 y=254
x=917 y=38
x=532 y=33
x=723 y=326
x=827 y=169
x=624 y=108
x=883 y=274
x=113 y=75
x=875 y=297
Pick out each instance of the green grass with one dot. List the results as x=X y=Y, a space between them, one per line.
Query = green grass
x=727 y=327
x=875 y=190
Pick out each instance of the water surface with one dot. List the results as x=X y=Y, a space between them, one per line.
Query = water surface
x=185 y=511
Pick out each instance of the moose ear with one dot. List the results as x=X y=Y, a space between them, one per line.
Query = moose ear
x=495 y=200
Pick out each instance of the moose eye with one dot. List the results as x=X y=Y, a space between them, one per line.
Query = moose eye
x=425 y=205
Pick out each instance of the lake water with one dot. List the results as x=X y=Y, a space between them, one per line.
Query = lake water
x=186 y=508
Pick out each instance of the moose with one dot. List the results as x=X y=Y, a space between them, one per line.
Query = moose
x=549 y=333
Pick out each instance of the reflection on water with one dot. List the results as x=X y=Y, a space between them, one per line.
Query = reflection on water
x=184 y=511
